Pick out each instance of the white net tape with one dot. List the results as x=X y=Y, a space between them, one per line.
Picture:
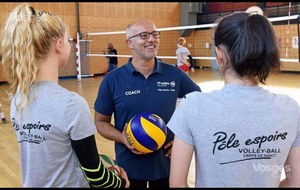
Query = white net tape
x=199 y=42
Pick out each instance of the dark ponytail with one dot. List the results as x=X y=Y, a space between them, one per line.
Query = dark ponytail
x=251 y=44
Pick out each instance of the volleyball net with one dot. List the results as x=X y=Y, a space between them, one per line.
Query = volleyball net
x=91 y=59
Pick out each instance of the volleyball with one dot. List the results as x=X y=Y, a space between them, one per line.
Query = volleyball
x=146 y=132
x=110 y=163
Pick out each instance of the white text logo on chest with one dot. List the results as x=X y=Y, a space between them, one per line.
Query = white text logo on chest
x=132 y=92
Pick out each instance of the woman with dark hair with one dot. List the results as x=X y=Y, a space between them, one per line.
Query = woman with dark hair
x=242 y=135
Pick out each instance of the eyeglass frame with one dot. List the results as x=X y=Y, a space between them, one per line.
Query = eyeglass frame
x=148 y=33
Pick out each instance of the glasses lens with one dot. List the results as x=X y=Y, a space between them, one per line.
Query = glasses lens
x=145 y=35
x=155 y=34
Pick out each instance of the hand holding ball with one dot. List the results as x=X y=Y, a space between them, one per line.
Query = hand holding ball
x=146 y=132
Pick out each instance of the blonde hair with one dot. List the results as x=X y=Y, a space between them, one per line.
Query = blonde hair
x=181 y=41
x=26 y=38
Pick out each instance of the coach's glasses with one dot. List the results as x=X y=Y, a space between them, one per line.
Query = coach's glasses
x=146 y=35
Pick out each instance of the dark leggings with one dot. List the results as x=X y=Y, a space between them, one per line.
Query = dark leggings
x=160 y=183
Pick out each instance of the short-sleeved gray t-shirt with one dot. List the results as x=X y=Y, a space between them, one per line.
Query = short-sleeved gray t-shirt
x=184 y=53
x=241 y=135
x=44 y=133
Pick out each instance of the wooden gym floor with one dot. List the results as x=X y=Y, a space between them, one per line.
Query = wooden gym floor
x=285 y=83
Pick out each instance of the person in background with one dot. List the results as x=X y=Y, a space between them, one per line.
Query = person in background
x=183 y=54
x=111 y=60
x=3 y=118
x=54 y=127
x=243 y=135
x=150 y=86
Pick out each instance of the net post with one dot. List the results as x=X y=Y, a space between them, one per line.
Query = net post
x=78 y=63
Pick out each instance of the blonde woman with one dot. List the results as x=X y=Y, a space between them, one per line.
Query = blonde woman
x=54 y=127
x=183 y=54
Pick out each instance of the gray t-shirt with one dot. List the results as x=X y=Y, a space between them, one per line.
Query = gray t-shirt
x=44 y=131
x=184 y=53
x=241 y=135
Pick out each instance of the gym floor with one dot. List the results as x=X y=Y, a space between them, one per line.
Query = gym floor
x=207 y=79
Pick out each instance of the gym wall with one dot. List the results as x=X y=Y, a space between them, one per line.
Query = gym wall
x=100 y=17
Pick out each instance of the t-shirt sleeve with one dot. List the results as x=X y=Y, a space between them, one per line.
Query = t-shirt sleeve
x=104 y=101
x=78 y=118
x=187 y=85
x=177 y=51
x=178 y=123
